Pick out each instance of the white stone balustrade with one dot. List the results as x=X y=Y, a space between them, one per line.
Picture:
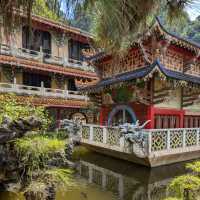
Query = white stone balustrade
x=159 y=140
x=40 y=91
x=43 y=57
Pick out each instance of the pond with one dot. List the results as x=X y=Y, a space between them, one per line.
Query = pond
x=103 y=178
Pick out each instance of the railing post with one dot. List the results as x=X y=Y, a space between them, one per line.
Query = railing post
x=198 y=131
x=149 y=142
x=104 y=135
x=15 y=84
x=42 y=89
x=103 y=180
x=41 y=54
x=184 y=138
x=121 y=143
x=66 y=92
x=90 y=174
x=91 y=133
x=168 y=139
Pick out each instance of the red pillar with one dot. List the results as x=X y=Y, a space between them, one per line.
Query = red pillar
x=103 y=118
x=150 y=116
x=182 y=114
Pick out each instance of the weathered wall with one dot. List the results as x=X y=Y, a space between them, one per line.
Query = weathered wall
x=59 y=50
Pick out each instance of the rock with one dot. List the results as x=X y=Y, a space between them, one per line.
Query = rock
x=11 y=129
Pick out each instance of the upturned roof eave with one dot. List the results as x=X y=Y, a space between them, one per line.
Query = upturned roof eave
x=142 y=72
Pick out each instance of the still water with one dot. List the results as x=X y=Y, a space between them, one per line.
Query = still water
x=103 y=178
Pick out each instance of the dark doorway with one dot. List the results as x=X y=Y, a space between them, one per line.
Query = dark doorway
x=71 y=85
x=75 y=49
x=33 y=79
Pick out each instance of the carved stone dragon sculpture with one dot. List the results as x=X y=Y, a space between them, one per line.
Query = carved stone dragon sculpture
x=136 y=137
x=72 y=128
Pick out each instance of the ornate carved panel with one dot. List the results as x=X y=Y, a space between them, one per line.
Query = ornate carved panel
x=172 y=60
x=98 y=134
x=113 y=136
x=130 y=62
x=176 y=138
x=159 y=140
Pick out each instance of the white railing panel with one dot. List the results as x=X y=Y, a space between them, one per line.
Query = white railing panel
x=159 y=140
x=40 y=91
x=44 y=57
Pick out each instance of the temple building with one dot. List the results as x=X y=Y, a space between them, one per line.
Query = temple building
x=158 y=80
x=44 y=64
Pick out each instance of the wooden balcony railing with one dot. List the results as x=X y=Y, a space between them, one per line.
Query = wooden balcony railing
x=40 y=91
x=44 y=57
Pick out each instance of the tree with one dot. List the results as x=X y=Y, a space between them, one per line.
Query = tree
x=117 y=23
x=81 y=18
x=41 y=8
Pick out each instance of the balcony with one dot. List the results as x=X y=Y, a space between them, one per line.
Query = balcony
x=41 y=91
x=45 y=58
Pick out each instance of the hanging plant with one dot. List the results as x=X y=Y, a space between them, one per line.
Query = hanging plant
x=122 y=95
x=140 y=83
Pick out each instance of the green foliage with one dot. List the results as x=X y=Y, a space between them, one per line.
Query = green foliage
x=195 y=166
x=37 y=189
x=187 y=187
x=185 y=183
x=58 y=176
x=35 y=152
x=9 y=107
x=40 y=8
x=82 y=18
x=123 y=94
x=52 y=177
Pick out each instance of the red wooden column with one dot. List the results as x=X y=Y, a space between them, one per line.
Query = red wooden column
x=150 y=116
x=103 y=118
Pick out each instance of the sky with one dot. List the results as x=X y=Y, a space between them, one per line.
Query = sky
x=194 y=9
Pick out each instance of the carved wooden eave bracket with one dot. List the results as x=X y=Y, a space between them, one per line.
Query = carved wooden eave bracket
x=189 y=64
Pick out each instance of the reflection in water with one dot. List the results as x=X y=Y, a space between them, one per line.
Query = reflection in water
x=105 y=178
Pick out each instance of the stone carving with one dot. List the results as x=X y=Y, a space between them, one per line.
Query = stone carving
x=136 y=137
x=11 y=129
x=72 y=128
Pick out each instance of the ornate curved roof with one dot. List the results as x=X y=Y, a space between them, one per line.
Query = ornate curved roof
x=142 y=72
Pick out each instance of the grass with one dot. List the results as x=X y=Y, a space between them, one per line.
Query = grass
x=35 y=152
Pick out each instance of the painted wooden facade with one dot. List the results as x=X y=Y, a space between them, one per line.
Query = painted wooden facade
x=44 y=67
x=158 y=80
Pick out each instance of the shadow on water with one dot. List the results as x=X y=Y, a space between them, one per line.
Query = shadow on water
x=103 y=178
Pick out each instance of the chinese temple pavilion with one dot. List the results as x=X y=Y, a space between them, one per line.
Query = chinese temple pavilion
x=158 y=80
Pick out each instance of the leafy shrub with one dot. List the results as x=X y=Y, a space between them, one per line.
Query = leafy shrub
x=35 y=152
x=11 y=108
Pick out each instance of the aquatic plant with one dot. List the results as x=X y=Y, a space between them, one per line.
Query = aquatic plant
x=195 y=166
x=186 y=187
